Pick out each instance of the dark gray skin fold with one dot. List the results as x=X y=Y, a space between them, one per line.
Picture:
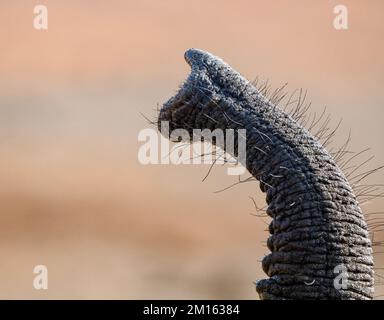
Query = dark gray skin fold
x=317 y=223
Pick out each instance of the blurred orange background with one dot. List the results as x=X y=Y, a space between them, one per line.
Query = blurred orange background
x=73 y=195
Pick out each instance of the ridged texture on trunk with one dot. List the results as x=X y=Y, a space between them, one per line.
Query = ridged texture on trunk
x=317 y=223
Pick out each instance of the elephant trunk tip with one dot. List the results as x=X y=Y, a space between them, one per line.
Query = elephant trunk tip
x=197 y=57
x=200 y=59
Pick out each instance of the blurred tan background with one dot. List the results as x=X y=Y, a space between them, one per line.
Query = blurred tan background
x=73 y=195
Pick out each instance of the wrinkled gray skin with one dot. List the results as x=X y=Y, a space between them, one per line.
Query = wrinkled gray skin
x=316 y=221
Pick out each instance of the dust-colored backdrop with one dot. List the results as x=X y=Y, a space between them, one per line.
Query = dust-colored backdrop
x=73 y=195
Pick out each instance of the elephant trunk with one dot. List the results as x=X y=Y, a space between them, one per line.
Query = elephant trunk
x=317 y=226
